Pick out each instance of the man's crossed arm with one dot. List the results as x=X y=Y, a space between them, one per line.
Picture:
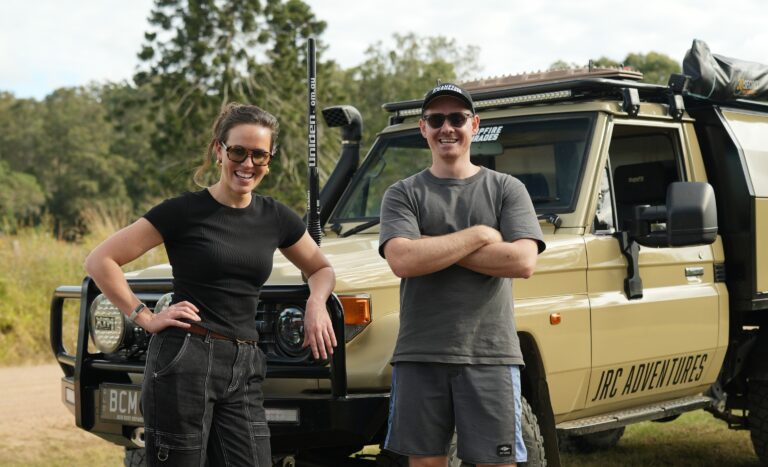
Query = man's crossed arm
x=479 y=248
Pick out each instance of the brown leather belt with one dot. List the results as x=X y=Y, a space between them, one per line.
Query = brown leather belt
x=197 y=329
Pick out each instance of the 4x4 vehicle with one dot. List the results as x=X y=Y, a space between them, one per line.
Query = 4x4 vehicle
x=650 y=300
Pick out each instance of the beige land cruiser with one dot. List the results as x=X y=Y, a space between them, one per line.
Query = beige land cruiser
x=650 y=300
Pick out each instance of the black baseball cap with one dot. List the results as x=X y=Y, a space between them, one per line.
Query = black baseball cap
x=448 y=89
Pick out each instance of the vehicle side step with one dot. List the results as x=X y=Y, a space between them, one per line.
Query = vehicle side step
x=621 y=418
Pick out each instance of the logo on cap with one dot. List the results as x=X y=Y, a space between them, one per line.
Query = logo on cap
x=447 y=87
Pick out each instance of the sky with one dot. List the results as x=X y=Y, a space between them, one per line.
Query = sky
x=47 y=44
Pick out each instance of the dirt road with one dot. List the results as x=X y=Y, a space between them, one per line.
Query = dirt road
x=35 y=425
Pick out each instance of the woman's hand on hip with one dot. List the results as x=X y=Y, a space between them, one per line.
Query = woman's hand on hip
x=169 y=316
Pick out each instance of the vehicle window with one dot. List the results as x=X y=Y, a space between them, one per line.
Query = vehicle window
x=644 y=161
x=546 y=155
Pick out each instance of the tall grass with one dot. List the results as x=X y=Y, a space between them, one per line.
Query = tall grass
x=32 y=264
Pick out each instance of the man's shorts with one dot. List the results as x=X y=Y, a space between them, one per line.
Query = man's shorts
x=481 y=401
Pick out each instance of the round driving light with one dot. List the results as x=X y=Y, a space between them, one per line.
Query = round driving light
x=290 y=331
x=107 y=324
x=164 y=301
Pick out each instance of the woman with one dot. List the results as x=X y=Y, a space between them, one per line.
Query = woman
x=201 y=396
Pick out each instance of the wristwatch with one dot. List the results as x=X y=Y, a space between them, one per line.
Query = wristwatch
x=139 y=308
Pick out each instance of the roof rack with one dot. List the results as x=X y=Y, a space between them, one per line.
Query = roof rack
x=576 y=84
x=629 y=92
x=506 y=81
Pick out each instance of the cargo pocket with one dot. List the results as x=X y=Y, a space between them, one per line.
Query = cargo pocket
x=171 y=349
x=260 y=441
x=176 y=449
x=259 y=430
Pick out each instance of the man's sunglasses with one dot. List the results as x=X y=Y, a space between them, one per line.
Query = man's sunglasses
x=239 y=153
x=456 y=119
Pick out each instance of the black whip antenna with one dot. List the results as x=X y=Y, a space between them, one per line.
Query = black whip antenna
x=313 y=190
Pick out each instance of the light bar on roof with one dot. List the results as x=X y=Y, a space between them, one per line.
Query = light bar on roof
x=542 y=96
x=503 y=101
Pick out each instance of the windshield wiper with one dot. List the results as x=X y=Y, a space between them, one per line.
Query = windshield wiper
x=553 y=219
x=361 y=227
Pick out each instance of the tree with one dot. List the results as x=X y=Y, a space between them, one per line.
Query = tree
x=655 y=67
x=406 y=72
x=75 y=166
x=132 y=127
x=201 y=54
x=21 y=123
x=21 y=198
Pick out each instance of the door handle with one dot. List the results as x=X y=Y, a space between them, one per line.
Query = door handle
x=694 y=271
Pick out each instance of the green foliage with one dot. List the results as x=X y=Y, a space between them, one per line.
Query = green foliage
x=203 y=54
x=655 y=67
x=75 y=165
x=132 y=126
x=35 y=262
x=405 y=71
x=21 y=198
x=129 y=145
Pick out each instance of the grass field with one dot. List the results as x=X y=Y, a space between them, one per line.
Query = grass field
x=33 y=263
x=695 y=439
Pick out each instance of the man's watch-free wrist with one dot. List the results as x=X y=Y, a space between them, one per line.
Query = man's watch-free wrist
x=139 y=308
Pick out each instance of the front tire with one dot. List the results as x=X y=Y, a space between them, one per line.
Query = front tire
x=758 y=418
x=534 y=441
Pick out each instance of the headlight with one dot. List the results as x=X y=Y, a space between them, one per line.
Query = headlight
x=290 y=331
x=107 y=324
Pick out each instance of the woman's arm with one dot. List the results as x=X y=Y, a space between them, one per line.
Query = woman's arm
x=318 y=329
x=103 y=265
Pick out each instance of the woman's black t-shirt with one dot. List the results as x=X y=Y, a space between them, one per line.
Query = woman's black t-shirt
x=221 y=256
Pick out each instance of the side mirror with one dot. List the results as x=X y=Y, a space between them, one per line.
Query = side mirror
x=688 y=218
x=691 y=214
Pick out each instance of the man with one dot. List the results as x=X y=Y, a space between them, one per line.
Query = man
x=455 y=233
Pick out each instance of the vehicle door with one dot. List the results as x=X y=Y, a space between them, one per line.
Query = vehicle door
x=664 y=339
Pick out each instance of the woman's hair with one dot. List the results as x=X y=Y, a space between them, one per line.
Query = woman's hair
x=231 y=115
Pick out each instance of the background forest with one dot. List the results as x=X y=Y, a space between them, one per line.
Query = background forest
x=121 y=147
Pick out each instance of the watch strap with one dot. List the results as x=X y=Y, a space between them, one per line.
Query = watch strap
x=139 y=308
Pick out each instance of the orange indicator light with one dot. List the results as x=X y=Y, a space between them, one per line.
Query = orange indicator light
x=555 y=318
x=357 y=309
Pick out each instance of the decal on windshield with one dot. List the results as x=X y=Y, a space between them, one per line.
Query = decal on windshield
x=490 y=133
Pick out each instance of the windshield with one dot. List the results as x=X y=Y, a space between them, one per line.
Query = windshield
x=546 y=155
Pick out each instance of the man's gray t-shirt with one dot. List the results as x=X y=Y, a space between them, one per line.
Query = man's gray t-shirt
x=457 y=315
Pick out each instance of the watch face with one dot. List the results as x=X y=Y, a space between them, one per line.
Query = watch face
x=136 y=311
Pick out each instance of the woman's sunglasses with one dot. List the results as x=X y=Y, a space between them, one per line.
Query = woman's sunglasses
x=239 y=153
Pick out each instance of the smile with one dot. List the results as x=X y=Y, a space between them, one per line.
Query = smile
x=244 y=176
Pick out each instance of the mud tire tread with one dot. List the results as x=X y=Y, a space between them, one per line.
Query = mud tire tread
x=534 y=440
x=758 y=418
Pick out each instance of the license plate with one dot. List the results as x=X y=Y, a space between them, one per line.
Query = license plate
x=120 y=403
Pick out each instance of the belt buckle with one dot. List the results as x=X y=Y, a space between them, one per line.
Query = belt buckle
x=242 y=341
